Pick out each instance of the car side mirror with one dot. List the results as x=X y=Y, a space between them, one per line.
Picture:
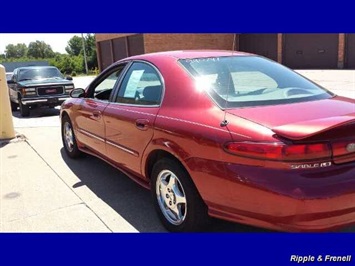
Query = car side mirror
x=77 y=93
x=68 y=78
x=10 y=81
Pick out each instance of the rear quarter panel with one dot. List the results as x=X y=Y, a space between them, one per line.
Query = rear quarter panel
x=188 y=126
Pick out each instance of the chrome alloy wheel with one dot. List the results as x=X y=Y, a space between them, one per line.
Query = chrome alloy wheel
x=68 y=136
x=171 y=197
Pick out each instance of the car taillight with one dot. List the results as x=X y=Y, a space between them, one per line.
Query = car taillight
x=279 y=151
x=307 y=151
x=343 y=148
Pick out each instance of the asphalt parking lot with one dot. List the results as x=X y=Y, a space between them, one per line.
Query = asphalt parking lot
x=42 y=190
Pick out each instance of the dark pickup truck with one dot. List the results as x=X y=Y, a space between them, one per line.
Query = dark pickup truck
x=32 y=87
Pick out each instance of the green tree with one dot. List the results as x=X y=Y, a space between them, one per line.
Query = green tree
x=16 y=51
x=39 y=49
x=75 y=46
x=90 y=46
x=68 y=64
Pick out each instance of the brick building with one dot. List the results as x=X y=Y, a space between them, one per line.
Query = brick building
x=306 y=51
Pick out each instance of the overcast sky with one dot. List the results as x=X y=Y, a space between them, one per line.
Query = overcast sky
x=57 y=41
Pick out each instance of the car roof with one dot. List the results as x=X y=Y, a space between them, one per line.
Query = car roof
x=190 y=54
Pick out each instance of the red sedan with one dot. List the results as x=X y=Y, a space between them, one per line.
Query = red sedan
x=223 y=134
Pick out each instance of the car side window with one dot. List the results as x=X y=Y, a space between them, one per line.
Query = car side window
x=104 y=88
x=141 y=86
x=14 y=76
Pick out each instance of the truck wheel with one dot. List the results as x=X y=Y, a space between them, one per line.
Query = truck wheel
x=24 y=109
x=13 y=106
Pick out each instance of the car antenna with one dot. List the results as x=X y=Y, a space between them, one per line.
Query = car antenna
x=224 y=123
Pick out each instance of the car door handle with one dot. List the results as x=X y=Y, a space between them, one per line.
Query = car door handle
x=142 y=124
x=96 y=114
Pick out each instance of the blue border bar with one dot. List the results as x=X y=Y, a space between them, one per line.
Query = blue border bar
x=177 y=16
x=173 y=249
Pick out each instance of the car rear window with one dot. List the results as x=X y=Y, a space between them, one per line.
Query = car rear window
x=239 y=81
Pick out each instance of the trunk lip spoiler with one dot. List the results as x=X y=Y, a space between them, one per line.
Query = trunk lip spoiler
x=309 y=128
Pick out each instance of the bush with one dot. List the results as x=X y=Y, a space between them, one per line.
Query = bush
x=73 y=74
x=68 y=64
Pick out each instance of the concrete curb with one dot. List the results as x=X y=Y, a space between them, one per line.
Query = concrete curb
x=18 y=138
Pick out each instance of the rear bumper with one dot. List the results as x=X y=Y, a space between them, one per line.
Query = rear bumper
x=309 y=216
x=293 y=200
x=44 y=100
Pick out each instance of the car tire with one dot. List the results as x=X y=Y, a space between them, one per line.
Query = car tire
x=68 y=138
x=14 y=106
x=24 y=109
x=176 y=199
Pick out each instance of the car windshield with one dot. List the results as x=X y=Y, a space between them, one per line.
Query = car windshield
x=239 y=81
x=39 y=73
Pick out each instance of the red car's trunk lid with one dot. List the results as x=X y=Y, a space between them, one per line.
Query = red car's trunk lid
x=279 y=115
x=309 y=128
x=331 y=121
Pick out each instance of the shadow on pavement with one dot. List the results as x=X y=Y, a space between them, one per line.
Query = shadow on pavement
x=38 y=112
x=3 y=143
x=129 y=199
